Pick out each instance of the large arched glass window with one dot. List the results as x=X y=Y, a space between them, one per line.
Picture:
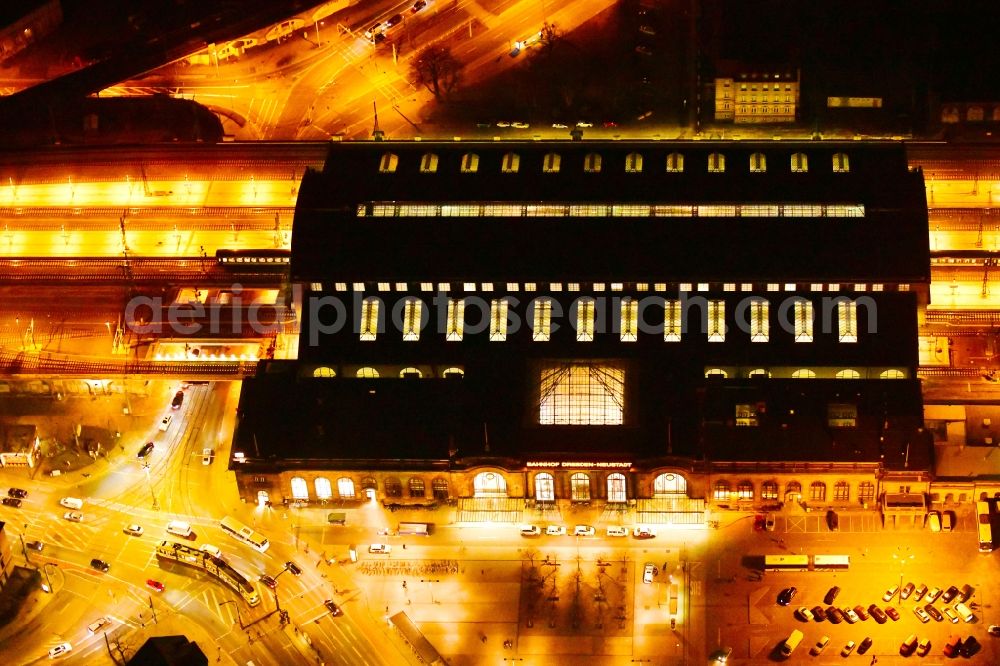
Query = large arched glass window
x=580 y=487
x=841 y=491
x=793 y=491
x=489 y=484
x=393 y=488
x=300 y=489
x=616 y=488
x=323 y=489
x=669 y=484
x=345 y=488
x=417 y=487
x=367 y=373
x=470 y=163
x=769 y=491
x=848 y=373
x=744 y=491
x=545 y=490
x=817 y=491
x=892 y=374
x=440 y=489
x=721 y=492
x=324 y=372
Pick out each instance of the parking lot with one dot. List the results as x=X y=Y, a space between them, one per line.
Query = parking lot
x=742 y=610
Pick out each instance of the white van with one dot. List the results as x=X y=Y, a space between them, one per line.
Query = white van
x=617 y=531
x=964 y=612
x=792 y=642
x=71 y=503
x=179 y=528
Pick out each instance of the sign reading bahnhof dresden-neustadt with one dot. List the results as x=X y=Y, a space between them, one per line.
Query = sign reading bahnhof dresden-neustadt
x=575 y=464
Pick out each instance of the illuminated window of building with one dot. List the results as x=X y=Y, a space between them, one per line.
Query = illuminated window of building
x=582 y=395
x=541 y=319
x=841 y=415
x=759 y=372
x=579 y=485
x=841 y=491
x=443 y=286
x=530 y=286
x=716 y=163
x=470 y=163
x=555 y=286
x=454 y=372
x=469 y=286
x=513 y=286
x=486 y=286
x=383 y=286
x=718 y=373
x=369 y=319
x=769 y=491
x=410 y=373
x=860 y=286
x=721 y=492
x=847 y=318
x=630 y=319
x=803 y=312
x=744 y=490
x=760 y=326
x=551 y=163
x=429 y=163
x=840 y=163
x=388 y=163
x=817 y=491
x=324 y=490
x=402 y=286
x=592 y=163
x=316 y=286
x=803 y=373
x=616 y=488
x=675 y=163
x=439 y=488
x=848 y=373
x=800 y=163
x=669 y=484
x=393 y=488
x=617 y=286
x=510 y=163
x=545 y=488
x=793 y=491
x=878 y=286
x=300 y=489
x=758 y=163
x=366 y=373
x=340 y=286
x=892 y=374
x=671 y=319
x=633 y=163
x=498 y=320
x=573 y=286
x=585 y=314
x=345 y=488
x=716 y=321
x=417 y=488
x=746 y=415
x=866 y=491
x=324 y=372
x=412 y=312
x=456 y=319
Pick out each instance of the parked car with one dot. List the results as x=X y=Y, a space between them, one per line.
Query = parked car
x=293 y=568
x=786 y=595
x=851 y=616
x=924 y=647
x=860 y=610
x=269 y=581
x=934 y=612
x=820 y=646
x=648 y=572
x=907 y=590
x=964 y=612
x=919 y=593
x=73 y=516
x=921 y=613
x=617 y=531
x=214 y=551
x=934 y=521
x=819 y=613
x=60 y=650
x=395 y=19
x=933 y=594
x=947 y=521
x=865 y=645
x=804 y=614
x=37 y=546
x=531 y=530
x=994 y=630
x=333 y=607
x=177 y=401
x=17 y=492
x=644 y=532
x=96 y=625
x=893 y=613
x=134 y=530
x=146 y=449
x=908 y=645
x=12 y=502
x=155 y=585
x=555 y=530
x=380 y=548
x=835 y=615
x=966 y=593
x=832 y=520
x=877 y=614
x=769 y=522
x=970 y=646
x=584 y=531
x=758 y=522
x=372 y=31
x=848 y=649
x=99 y=565
x=831 y=595
x=418 y=5
x=583 y=123
x=890 y=593
x=951 y=614
x=952 y=647
x=165 y=423
x=949 y=594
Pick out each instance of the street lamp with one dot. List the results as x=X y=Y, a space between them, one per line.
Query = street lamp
x=156 y=506
x=902 y=557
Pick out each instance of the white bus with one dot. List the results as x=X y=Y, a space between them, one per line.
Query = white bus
x=831 y=562
x=238 y=530
x=985 y=529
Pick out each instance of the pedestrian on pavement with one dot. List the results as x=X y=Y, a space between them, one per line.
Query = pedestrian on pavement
x=404 y=546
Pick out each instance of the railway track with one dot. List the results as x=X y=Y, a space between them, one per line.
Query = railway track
x=97 y=271
x=152 y=218
x=34 y=363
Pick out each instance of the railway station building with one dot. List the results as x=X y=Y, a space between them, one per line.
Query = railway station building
x=653 y=328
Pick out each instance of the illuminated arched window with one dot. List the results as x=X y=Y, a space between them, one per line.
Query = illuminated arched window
x=300 y=489
x=388 y=163
x=417 y=487
x=769 y=491
x=592 y=163
x=803 y=373
x=848 y=373
x=551 y=163
x=454 y=372
x=616 y=488
x=510 y=163
x=489 y=484
x=669 y=484
x=892 y=374
x=675 y=163
x=345 y=488
x=324 y=372
x=633 y=163
x=717 y=373
x=545 y=487
x=721 y=492
x=429 y=163
x=817 y=491
x=440 y=489
x=758 y=163
x=580 y=487
x=410 y=373
x=793 y=491
x=323 y=489
x=841 y=491
x=393 y=488
x=744 y=490
x=369 y=318
x=760 y=372
x=367 y=373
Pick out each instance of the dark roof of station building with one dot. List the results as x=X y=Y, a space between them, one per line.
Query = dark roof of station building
x=889 y=244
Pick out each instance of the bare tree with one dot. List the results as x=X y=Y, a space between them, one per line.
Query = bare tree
x=436 y=69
